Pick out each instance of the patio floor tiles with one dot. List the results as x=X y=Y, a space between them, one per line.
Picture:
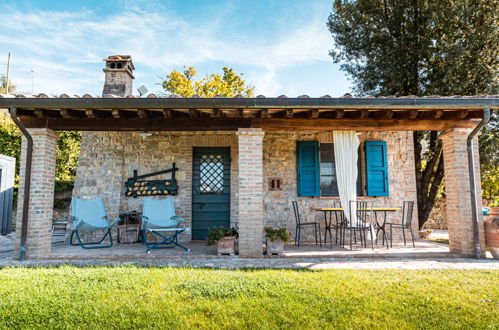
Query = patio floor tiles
x=137 y=251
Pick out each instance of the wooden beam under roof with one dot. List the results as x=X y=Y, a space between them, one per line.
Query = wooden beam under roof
x=40 y=113
x=90 y=114
x=193 y=113
x=263 y=113
x=233 y=123
x=313 y=114
x=167 y=113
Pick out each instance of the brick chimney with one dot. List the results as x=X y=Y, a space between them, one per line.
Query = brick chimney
x=119 y=77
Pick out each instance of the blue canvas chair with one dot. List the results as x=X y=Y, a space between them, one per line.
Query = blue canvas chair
x=160 y=219
x=90 y=215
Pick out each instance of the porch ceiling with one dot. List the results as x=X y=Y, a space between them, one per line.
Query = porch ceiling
x=175 y=113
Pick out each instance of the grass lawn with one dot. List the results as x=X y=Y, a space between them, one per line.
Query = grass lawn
x=134 y=297
x=440 y=240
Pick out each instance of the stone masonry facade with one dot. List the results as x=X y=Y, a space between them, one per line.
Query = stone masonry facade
x=109 y=158
x=41 y=193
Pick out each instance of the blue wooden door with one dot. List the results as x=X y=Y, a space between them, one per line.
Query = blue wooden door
x=210 y=190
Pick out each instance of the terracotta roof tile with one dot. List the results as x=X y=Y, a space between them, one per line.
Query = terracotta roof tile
x=347 y=95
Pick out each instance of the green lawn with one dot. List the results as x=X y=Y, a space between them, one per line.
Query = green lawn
x=440 y=240
x=134 y=297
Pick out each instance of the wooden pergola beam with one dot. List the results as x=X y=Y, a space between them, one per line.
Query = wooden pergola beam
x=233 y=123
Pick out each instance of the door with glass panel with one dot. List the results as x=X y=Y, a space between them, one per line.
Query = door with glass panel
x=210 y=190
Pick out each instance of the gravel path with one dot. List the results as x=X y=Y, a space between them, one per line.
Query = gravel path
x=292 y=263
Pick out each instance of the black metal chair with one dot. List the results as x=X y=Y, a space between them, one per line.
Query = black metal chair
x=405 y=223
x=362 y=223
x=300 y=224
x=337 y=223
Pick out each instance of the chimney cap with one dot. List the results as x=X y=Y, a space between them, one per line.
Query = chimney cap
x=120 y=58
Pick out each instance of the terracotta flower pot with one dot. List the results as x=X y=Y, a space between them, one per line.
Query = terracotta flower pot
x=491 y=225
x=275 y=247
x=226 y=245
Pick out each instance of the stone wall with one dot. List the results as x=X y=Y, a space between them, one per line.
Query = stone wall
x=280 y=161
x=109 y=158
x=438 y=216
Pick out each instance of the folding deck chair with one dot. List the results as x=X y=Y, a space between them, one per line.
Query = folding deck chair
x=90 y=215
x=159 y=218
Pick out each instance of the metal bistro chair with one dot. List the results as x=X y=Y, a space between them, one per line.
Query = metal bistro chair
x=363 y=222
x=405 y=223
x=300 y=224
x=90 y=215
x=337 y=223
x=159 y=218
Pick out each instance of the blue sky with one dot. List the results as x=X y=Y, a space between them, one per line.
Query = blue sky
x=281 y=46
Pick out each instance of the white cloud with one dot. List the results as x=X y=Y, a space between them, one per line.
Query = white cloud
x=65 y=49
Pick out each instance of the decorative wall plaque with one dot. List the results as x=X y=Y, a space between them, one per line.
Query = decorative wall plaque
x=136 y=186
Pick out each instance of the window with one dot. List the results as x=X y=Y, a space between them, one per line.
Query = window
x=329 y=186
x=316 y=171
x=211 y=174
x=329 y=183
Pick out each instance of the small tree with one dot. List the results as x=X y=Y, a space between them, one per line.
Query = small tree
x=3 y=85
x=229 y=84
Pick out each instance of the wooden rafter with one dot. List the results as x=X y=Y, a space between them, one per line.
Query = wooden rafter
x=313 y=114
x=167 y=113
x=264 y=113
x=90 y=114
x=65 y=113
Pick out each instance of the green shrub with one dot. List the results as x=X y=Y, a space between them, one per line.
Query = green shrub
x=274 y=234
x=217 y=233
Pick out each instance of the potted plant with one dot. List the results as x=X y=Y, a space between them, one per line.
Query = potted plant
x=225 y=238
x=491 y=226
x=425 y=233
x=276 y=239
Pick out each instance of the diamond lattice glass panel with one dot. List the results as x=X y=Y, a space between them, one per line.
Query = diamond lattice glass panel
x=211 y=174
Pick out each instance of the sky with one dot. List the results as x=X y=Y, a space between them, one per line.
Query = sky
x=280 y=46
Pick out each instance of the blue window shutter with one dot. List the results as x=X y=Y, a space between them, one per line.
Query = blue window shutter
x=307 y=158
x=376 y=168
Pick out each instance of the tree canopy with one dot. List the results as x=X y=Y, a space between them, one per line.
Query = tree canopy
x=228 y=84
x=3 y=85
x=422 y=47
x=418 y=47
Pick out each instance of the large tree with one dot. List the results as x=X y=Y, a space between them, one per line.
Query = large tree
x=229 y=84
x=419 y=47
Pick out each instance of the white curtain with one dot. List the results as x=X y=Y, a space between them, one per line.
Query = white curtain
x=346 y=145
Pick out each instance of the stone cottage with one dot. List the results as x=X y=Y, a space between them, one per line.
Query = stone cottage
x=242 y=161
